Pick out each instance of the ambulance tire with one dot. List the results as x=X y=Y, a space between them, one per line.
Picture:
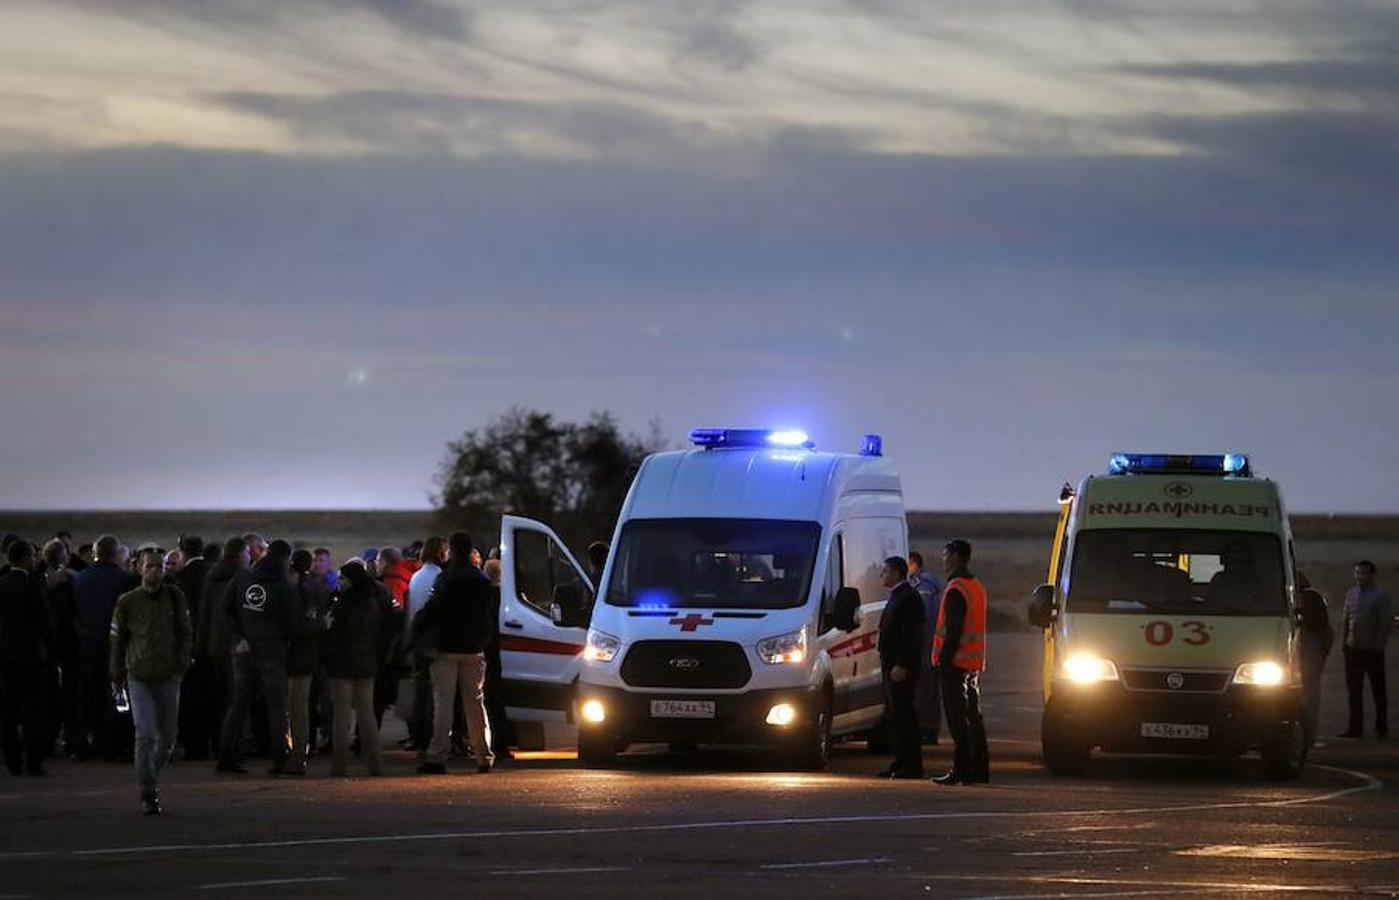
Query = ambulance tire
x=1285 y=752
x=596 y=748
x=813 y=750
x=1063 y=754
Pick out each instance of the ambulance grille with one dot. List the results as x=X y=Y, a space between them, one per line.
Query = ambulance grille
x=686 y=664
x=1184 y=681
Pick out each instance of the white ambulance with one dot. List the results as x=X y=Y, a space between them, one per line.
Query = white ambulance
x=1168 y=616
x=740 y=602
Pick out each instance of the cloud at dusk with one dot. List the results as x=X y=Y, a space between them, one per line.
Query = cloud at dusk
x=277 y=254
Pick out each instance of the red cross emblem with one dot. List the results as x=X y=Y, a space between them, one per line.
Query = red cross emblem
x=692 y=622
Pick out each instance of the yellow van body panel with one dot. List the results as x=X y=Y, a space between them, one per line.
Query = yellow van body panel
x=1151 y=640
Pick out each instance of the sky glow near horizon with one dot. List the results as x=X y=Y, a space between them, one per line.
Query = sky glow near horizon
x=276 y=254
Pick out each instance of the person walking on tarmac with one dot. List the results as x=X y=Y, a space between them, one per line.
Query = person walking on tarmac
x=959 y=652
x=151 y=647
x=900 y=660
x=264 y=614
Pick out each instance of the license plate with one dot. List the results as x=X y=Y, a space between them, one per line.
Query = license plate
x=682 y=709
x=1175 y=731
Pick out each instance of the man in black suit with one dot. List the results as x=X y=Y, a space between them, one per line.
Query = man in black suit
x=901 y=659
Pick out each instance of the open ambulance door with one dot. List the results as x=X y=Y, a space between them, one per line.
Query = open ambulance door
x=546 y=600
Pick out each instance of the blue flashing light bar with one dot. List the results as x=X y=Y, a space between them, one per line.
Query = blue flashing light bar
x=1180 y=464
x=712 y=438
x=872 y=445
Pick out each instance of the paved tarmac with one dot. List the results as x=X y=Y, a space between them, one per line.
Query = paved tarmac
x=730 y=822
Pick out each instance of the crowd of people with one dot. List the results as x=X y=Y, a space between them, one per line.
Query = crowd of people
x=254 y=649
x=246 y=649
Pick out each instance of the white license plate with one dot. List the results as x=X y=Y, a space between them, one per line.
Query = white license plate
x=1175 y=731
x=682 y=709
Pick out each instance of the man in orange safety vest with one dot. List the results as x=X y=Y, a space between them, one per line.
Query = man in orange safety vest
x=959 y=653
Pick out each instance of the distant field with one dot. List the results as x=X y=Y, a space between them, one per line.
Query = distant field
x=1011 y=549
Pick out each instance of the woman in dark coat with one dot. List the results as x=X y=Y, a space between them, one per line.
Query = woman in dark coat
x=360 y=617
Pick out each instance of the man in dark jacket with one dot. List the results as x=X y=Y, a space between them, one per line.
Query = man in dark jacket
x=304 y=657
x=95 y=593
x=62 y=671
x=209 y=682
x=459 y=608
x=189 y=578
x=264 y=613
x=25 y=647
x=901 y=660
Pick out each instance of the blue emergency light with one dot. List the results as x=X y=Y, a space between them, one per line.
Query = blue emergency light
x=713 y=438
x=1180 y=464
x=872 y=445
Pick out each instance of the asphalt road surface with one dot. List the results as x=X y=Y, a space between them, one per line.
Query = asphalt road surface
x=729 y=821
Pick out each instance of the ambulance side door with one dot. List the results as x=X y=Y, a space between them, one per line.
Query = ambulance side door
x=540 y=657
x=841 y=646
x=867 y=543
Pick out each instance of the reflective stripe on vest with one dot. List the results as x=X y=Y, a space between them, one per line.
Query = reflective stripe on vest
x=971 y=651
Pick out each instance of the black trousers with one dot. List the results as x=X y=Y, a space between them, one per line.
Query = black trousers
x=420 y=727
x=22 y=709
x=94 y=717
x=249 y=673
x=1362 y=664
x=902 y=717
x=961 y=701
x=204 y=698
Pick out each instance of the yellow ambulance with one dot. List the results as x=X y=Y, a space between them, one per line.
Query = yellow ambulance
x=1168 y=617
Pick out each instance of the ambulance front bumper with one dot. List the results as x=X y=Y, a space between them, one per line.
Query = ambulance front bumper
x=1116 y=719
x=639 y=717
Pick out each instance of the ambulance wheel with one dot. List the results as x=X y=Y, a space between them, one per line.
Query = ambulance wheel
x=814 y=744
x=1063 y=755
x=1285 y=752
x=596 y=748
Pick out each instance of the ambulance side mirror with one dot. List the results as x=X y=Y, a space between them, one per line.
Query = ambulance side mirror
x=1041 y=611
x=847 y=608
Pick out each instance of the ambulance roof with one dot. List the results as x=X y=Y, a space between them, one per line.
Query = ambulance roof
x=1212 y=502
x=753 y=483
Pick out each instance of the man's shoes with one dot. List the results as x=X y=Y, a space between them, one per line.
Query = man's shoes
x=291 y=770
x=902 y=775
x=432 y=768
x=484 y=768
x=1349 y=733
x=978 y=778
x=150 y=804
x=948 y=780
x=887 y=771
x=37 y=772
x=1381 y=735
x=231 y=768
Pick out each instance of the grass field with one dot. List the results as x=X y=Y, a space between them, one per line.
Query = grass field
x=1011 y=549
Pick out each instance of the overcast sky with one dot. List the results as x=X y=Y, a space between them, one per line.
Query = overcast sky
x=262 y=253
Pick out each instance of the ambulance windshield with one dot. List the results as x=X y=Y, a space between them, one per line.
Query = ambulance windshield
x=713 y=564
x=1206 y=573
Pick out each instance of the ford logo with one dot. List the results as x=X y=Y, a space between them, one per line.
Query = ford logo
x=684 y=662
x=1175 y=681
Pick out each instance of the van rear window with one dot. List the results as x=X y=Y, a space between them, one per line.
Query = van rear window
x=1207 y=573
x=713 y=563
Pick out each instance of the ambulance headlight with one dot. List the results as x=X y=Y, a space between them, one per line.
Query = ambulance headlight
x=1264 y=674
x=1085 y=668
x=782 y=715
x=601 y=646
x=785 y=648
x=593 y=711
